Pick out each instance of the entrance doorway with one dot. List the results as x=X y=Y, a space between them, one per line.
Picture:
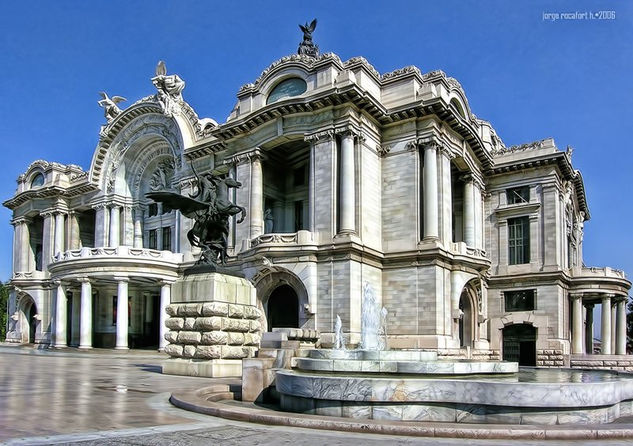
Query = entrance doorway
x=32 y=322
x=466 y=326
x=519 y=344
x=283 y=308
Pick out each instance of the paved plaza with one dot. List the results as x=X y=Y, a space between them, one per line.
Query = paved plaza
x=106 y=397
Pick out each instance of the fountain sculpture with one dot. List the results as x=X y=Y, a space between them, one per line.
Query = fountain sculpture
x=376 y=383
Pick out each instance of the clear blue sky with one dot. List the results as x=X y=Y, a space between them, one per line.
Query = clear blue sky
x=569 y=79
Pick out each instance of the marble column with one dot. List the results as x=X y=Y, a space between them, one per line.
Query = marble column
x=101 y=225
x=589 y=331
x=59 y=233
x=122 y=316
x=431 y=229
x=60 y=316
x=606 y=325
x=347 y=184
x=478 y=215
x=614 y=315
x=74 y=231
x=469 y=212
x=85 y=322
x=311 y=188
x=577 y=325
x=127 y=226
x=138 y=228
x=17 y=245
x=115 y=226
x=257 y=195
x=446 y=197
x=165 y=299
x=620 y=337
x=48 y=238
x=21 y=245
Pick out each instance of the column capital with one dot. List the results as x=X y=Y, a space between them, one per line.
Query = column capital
x=21 y=220
x=429 y=144
x=59 y=282
x=242 y=158
x=164 y=282
x=325 y=135
x=83 y=279
x=98 y=206
x=121 y=278
x=575 y=296
x=349 y=130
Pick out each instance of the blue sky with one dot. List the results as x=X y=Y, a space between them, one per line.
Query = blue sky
x=568 y=79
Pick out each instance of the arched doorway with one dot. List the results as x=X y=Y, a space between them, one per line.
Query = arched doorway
x=27 y=319
x=466 y=320
x=32 y=323
x=283 y=308
x=519 y=344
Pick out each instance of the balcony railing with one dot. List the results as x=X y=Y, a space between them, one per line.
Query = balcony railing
x=593 y=271
x=284 y=239
x=119 y=251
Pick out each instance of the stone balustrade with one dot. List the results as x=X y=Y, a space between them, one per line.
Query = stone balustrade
x=593 y=271
x=119 y=251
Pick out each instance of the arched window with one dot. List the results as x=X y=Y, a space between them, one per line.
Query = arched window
x=455 y=103
x=287 y=89
x=38 y=180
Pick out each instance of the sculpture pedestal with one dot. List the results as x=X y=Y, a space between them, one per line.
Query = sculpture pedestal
x=213 y=324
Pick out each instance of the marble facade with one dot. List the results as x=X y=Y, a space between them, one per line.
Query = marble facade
x=349 y=177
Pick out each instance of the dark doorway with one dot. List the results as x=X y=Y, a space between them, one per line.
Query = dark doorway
x=32 y=323
x=147 y=338
x=519 y=344
x=466 y=326
x=283 y=308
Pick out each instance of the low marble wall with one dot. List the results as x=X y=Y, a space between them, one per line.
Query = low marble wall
x=473 y=400
x=456 y=412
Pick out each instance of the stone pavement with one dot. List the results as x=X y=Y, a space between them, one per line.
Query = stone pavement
x=104 y=397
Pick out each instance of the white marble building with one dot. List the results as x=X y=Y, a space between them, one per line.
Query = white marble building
x=348 y=177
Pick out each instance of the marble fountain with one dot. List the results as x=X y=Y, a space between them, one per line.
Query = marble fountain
x=373 y=382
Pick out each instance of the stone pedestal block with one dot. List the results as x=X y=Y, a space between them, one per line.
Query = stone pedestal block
x=213 y=324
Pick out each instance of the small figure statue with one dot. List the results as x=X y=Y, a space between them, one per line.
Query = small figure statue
x=307 y=47
x=269 y=221
x=383 y=328
x=161 y=178
x=110 y=108
x=339 y=338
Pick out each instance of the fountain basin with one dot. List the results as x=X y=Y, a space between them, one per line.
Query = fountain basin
x=372 y=355
x=407 y=367
x=452 y=391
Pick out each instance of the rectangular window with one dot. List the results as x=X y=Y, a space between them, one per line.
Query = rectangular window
x=167 y=238
x=518 y=195
x=152 y=239
x=518 y=240
x=153 y=210
x=523 y=300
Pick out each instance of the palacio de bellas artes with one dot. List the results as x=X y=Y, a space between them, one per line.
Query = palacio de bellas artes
x=330 y=189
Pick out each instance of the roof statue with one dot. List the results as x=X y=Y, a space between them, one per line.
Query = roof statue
x=169 y=88
x=210 y=208
x=307 y=47
x=110 y=108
